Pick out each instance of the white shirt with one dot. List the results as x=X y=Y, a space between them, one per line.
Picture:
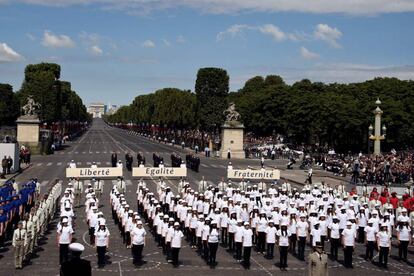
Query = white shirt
x=404 y=233
x=138 y=235
x=334 y=230
x=349 y=237
x=261 y=225
x=283 y=239
x=101 y=236
x=176 y=238
x=238 y=237
x=316 y=236
x=370 y=233
x=271 y=234
x=213 y=236
x=302 y=228
x=247 y=237
x=384 y=239
x=65 y=233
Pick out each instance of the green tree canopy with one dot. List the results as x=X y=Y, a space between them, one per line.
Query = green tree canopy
x=211 y=88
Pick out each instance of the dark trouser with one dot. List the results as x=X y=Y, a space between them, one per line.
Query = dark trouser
x=137 y=254
x=301 y=248
x=92 y=235
x=323 y=238
x=128 y=238
x=361 y=234
x=231 y=241
x=283 y=256
x=254 y=238
x=224 y=236
x=213 y=251
x=247 y=250
x=199 y=245
x=101 y=250
x=369 y=253
x=261 y=241
x=168 y=249
x=205 y=250
x=63 y=253
x=193 y=236
x=292 y=243
x=383 y=256
x=174 y=255
x=402 y=250
x=348 y=256
x=334 y=248
x=238 y=250
x=166 y=207
x=270 y=250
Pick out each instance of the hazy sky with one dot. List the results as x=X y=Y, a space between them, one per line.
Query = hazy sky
x=113 y=52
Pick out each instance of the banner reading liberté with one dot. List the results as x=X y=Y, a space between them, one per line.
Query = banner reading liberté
x=94 y=172
x=159 y=172
x=253 y=174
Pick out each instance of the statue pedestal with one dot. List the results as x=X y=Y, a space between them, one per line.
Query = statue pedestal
x=232 y=138
x=28 y=132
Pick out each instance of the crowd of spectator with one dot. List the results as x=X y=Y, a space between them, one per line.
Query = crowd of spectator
x=390 y=167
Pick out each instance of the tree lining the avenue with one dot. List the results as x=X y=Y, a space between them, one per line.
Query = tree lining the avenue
x=336 y=115
x=57 y=99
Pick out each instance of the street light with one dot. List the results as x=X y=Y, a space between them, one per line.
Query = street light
x=370 y=130
x=377 y=137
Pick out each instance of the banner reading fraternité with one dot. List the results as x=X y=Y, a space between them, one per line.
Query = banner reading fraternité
x=159 y=172
x=253 y=174
x=90 y=172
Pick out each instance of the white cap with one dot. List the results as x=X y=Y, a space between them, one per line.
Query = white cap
x=176 y=224
x=348 y=223
x=246 y=224
x=139 y=222
x=76 y=247
x=65 y=220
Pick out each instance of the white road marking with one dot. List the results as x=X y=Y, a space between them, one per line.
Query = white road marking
x=83 y=152
x=39 y=164
x=76 y=152
x=128 y=182
x=59 y=163
x=98 y=163
x=214 y=166
x=108 y=163
x=204 y=165
x=49 y=164
x=97 y=152
x=88 y=163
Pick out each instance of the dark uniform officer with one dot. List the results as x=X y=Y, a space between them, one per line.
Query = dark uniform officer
x=76 y=266
x=114 y=159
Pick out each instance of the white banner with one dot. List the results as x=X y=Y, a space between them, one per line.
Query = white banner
x=253 y=174
x=93 y=173
x=159 y=172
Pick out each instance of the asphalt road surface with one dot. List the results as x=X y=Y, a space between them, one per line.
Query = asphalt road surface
x=96 y=146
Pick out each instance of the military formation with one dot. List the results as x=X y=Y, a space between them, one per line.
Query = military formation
x=273 y=219
x=34 y=223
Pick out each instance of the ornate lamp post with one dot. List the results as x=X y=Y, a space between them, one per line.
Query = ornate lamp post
x=377 y=137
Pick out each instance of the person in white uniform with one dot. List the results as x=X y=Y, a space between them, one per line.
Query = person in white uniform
x=101 y=243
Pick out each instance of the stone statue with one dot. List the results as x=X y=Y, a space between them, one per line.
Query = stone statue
x=231 y=114
x=31 y=108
